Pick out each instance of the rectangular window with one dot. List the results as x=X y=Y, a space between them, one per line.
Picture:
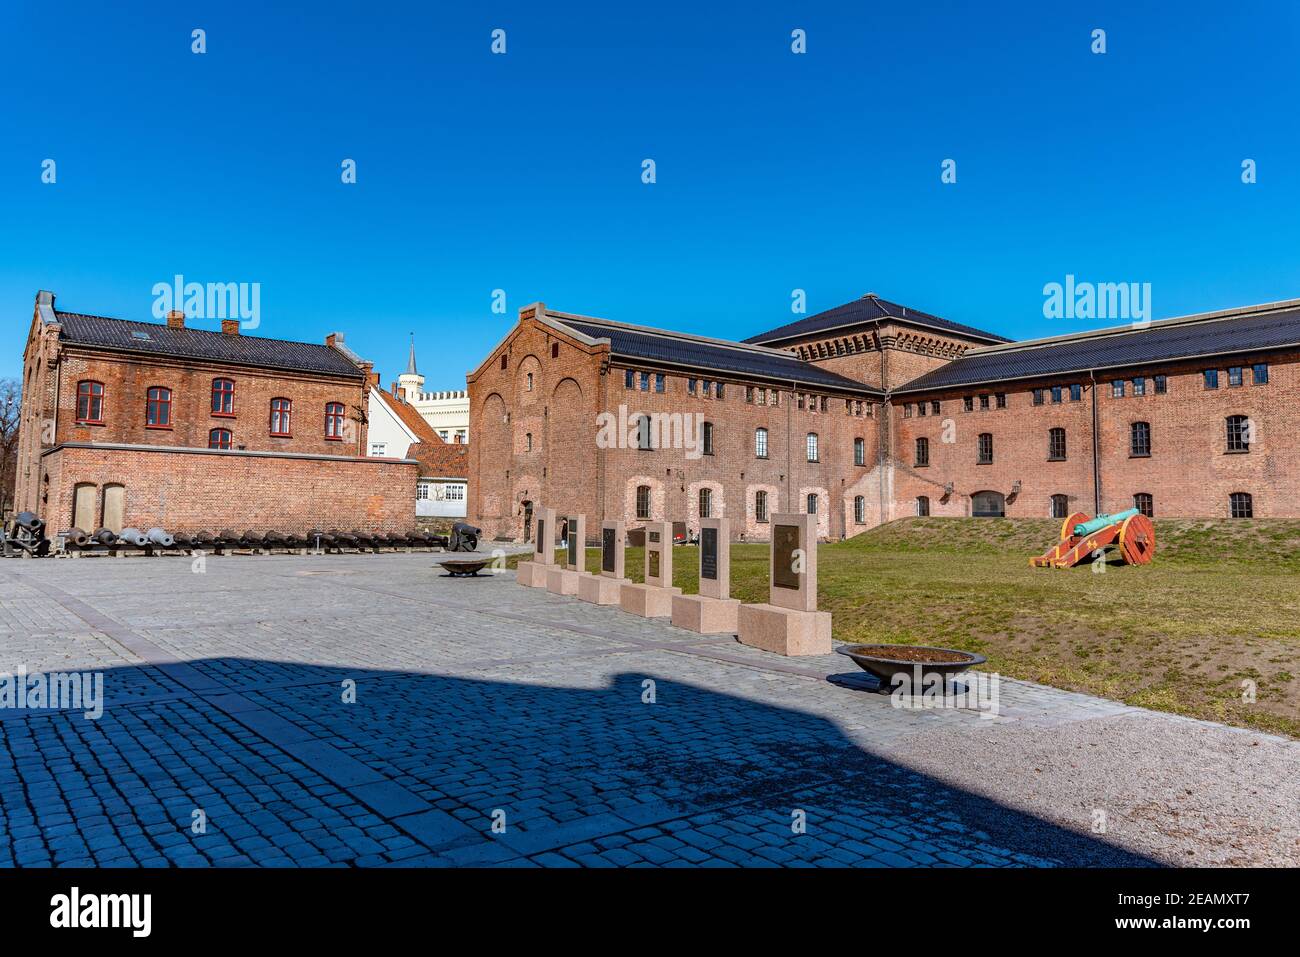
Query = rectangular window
x=935 y=408
x=749 y=393
x=1140 y=439
x=1162 y=384
x=158 y=408
x=968 y=403
x=334 y=421
x=1145 y=504
x=219 y=439
x=223 y=397
x=690 y=386
x=1259 y=373
x=1139 y=386
x=907 y=410
x=643 y=501
x=1234 y=376
x=707 y=388
x=379 y=448
x=762 y=397
x=1038 y=397
x=1001 y=398
x=422 y=491
x=812 y=447
x=721 y=390
x=920 y=408
x=985 y=449
x=1056 y=445
x=1241 y=505
x=760 y=443
x=645 y=382
x=1211 y=378
x=659 y=382
x=628 y=376
x=1117 y=389
x=859 y=452
x=280 y=422
x=922 y=452
x=90 y=401
x=760 y=506
x=1076 y=392
x=1057 y=395
x=984 y=403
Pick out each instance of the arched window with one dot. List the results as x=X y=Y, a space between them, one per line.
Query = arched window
x=90 y=402
x=158 y=407
x=760 y=443
x=985 y=449
x=223 y=397
x=280 y=413
x=1239 y=433
x=1056 y=445
x=334 y=421
x=706 y=502
x=760 y=506
x=1140 y=439
x=859 y=510
x=643 y=501
x=643 y=432
x=812 y=503
x=1241 y=505
x=219 y=439
x=530 y=382
x=528 y=441
x=1145 y=504
x=922 y=452
x=812 y=446
x=708 y=438
x=923 y=505
x=1060 y=506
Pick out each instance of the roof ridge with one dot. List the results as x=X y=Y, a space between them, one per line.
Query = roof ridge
x=173 y=329
x=673 y=334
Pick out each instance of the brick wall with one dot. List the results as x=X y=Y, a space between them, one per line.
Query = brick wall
x=192 y=491
x=127 y=380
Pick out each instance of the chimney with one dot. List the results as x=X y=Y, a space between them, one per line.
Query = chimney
x=334 y=339
x=230 y=327
x=175 y=319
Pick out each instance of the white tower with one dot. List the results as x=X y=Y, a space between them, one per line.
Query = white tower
x=410 y=382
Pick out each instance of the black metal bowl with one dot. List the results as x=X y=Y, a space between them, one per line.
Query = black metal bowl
x=884 y=667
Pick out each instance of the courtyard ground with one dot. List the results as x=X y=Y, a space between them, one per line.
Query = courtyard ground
x=584 y=735
x=1219 y=607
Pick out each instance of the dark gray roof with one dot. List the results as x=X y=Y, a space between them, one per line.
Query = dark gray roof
x=652 y=345
x=870 y=308
x=152 y=338
x=1117 y=350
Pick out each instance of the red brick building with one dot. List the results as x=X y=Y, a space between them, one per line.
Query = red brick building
x=873 y=411
x=140 y=424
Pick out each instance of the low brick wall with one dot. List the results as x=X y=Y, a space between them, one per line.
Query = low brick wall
x=194 y=489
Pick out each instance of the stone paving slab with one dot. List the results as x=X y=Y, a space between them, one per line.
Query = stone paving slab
x=365 y=711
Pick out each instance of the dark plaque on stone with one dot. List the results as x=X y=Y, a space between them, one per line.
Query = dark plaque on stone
x=607 y=549
x=709 y=553
x=573 y=542
x=541 y=536
x=785 y=541
x=654 y=536
x=653 y=571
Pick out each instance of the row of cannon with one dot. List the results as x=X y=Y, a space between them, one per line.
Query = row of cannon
x=463 y=537
x=25 y=536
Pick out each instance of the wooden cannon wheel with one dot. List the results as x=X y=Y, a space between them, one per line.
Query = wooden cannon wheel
x=1137 y=540
x=1067 y=528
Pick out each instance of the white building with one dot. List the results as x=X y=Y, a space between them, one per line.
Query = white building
x=447 y=412
x=397 y=430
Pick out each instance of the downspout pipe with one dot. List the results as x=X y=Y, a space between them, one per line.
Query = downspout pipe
x=1096 y=464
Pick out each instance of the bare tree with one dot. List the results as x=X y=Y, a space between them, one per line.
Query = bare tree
x=11 y=392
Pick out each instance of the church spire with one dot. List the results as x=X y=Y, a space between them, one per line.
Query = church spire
x=410 y=365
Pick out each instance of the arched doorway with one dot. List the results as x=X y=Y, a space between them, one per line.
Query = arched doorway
x=988 y=505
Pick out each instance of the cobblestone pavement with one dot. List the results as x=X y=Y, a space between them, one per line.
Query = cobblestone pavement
x=499 y=725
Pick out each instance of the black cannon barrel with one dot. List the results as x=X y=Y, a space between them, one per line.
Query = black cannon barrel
x=133 y=536
x=78 y=537
x=273 y=537
x=252 y=537
x=344 y=538
x=363 y=538
x=204 y=537
x=183 y=539
x=160 y=536
x=29 y=521
x=104 y=536
x=325 y=538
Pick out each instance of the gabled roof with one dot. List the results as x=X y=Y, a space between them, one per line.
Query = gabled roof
x=641 y=343
x=870 y=308
x=1231 y=332
x=436 y=457
x=152 y=338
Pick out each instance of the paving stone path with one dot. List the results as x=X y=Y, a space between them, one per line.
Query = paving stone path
x=363 y=710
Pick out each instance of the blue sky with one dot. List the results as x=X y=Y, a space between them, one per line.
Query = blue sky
x=522 y=172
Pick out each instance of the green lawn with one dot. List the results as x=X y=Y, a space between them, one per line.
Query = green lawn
x=1220 y=604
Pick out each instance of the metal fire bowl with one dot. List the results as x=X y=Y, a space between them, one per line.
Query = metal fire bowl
x=884 y=668
x=467 y=567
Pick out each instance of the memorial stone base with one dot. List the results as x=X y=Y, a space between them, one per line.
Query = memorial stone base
x=784 y=631
x=601 y=589
x=531 y=574
x=562 y=581
x=648 y=601
x=708 y=616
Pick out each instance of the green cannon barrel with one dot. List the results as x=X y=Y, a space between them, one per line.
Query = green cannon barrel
x=1101 y=521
